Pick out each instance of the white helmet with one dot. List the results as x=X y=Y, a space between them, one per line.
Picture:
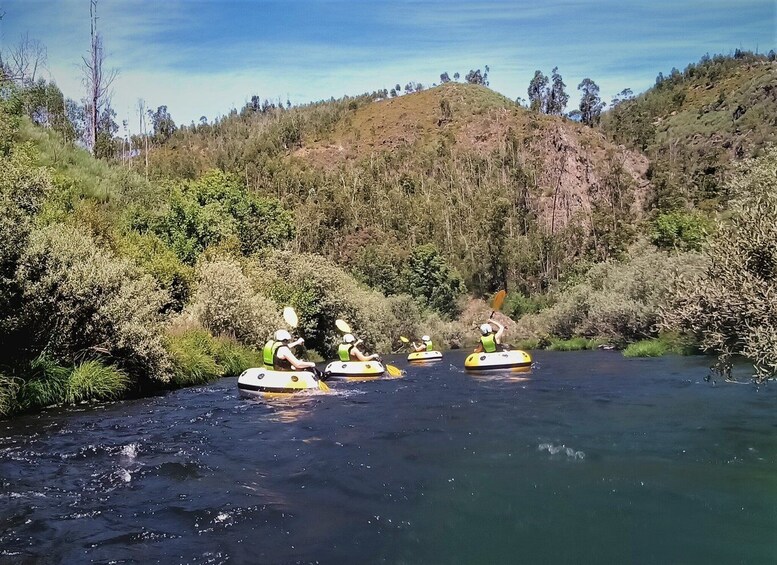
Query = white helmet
x=348 y=338
x=486 y=329
x=426 y=338
x=282 y=335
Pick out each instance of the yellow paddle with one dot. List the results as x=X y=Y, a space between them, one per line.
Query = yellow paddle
x=403 y=339
x=343 y=326
x=496 y=303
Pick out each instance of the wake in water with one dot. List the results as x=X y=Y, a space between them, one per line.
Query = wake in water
x=563 y=449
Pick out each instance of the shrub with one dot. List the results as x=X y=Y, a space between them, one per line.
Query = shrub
x=681 y=230
x=619 y=301
x=732 y=307
x=9 y=389
x=46 y=384
x=79 y=297
x=92 y=380
x=225 y=303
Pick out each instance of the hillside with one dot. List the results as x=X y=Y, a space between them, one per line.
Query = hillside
x=694 y=124
x=458 y=165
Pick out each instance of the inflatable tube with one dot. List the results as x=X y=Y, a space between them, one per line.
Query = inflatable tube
x=417 y=356
x=514 y=359
x=356 y=370
x=261 y=382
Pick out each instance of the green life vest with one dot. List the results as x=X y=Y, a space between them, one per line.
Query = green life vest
x=344 y=351
x=268 y=352
x=429 y=346
x=488 y=342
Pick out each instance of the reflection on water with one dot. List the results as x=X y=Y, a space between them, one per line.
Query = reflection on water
x=587 y=458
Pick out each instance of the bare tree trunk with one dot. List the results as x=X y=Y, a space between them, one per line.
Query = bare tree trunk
x=97 y=83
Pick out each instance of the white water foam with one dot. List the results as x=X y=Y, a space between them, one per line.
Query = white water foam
x=563 y=449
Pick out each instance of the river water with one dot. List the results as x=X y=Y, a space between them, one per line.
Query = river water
x=590 y=458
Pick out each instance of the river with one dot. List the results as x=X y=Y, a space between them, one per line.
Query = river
x=590 y=458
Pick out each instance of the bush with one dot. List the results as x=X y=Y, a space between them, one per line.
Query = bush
x=618 y=301
x=78 y=297
x=46 y=384
x=732 y=307
x=9 y=389
x=680 y=230
x=92 y=380
x=225 y=303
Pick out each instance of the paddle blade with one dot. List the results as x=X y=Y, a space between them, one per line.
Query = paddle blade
x=343 y=326
x=322 y=386
x=499 y=298
x=403 y=339
x=393 y=371
x=290 y=316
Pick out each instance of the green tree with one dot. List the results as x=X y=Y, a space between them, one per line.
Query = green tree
x=591 y=104
x=435 y=284
x=557 y=98
x=538 y=100
x=162 y=123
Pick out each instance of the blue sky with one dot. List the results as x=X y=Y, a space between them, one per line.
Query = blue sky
x=205 y=57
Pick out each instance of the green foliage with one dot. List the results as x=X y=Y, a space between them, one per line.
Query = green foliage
x=92 y=380
x=193 y=358
x=77 y=296
x=517 y=304
x=45 y=385
x=152 y=256
x=432 y=281
x=233 y=357
x=619 y=301
x=679 y=230
x=9 y=389
x=217 y=207
x=646 y=348
x=732 y=307
x=574 y=344
x=226 y=304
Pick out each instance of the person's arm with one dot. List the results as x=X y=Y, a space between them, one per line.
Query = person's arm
x=299 y=341
x=361 y=356
x=500 y=332
x=296 y=363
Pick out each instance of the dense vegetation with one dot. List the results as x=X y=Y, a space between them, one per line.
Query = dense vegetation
x=168 y=266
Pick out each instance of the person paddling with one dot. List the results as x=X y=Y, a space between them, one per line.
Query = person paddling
x=278 y=355
x=490 y=342
x=349 y=350
x=425 y=345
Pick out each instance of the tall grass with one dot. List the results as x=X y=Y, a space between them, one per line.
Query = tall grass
x=193 y=357
x=646 y=348
x=235 y=358
x=48 y=385
x=92 y=380
x=574 y=344
x=9 y=388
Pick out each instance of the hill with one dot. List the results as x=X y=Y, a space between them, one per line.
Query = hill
x=694 y=124
x=505 y=193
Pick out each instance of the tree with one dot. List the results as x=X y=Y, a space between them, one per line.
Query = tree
x=432 y=281
x=105 y=145
x=162 y=123
x=558 y=98
x=96 y=80
x=444 y=78
x=24 y=61
x=538 y=92
x=623 y=96
x=475 y=77
x=590 y=104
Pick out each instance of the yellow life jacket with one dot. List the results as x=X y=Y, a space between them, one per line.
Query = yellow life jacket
x=489 y=343
x=429 y=346
x=268 y=352
x=344 y=351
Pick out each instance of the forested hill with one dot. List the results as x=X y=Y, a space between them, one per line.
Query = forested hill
x=505 y=193
x=693 y=124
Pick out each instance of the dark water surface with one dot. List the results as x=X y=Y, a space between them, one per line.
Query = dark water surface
x=593 y=458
